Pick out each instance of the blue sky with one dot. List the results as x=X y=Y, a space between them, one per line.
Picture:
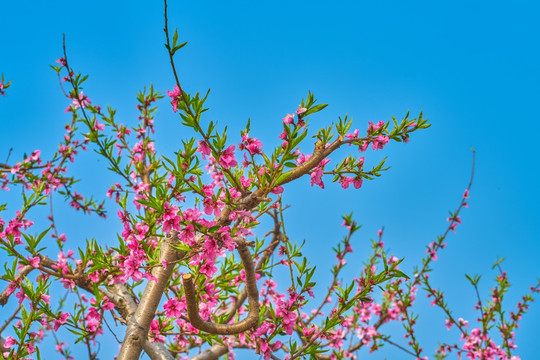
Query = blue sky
x=472 y=68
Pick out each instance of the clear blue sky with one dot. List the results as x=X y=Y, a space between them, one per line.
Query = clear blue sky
x=471 y=67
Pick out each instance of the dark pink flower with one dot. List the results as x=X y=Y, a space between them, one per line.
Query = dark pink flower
x=379 y=142
x=62 y=319
x=34 y=261
x=227 y=159
x=174 y=308
x=374 y=127
x=175 y=95
x=345 y=181
x=9 y=342
x=353 y=135
x=252 y=145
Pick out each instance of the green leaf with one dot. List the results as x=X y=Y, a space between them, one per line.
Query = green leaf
x=314 y=109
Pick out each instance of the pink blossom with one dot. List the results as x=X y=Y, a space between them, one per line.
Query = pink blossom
x=463 y=322
x=357 y=183
x=374 y=127
x=62 y=319
x=33 y=261
x=454 y=222
x=316 y=177
x=303 y=158
x=379 y=142
x=82 y=101
x=289 y=119
x=107 y=305
x=155 y=332
x=317 y=173
x=99 y=127
x=252 y=145
x=187 y=235
x=448 y=323
x=21 y=296
x=174 y=308
x=366 y=334
x=300 y=110
x=175 y=96
x=227 y=159
x=9 y=342
x=212 y=207
x=345 y=181
x=353 y=135
x=246 y=182
x=170 y=219
x=204 y=149
x=267 y=349
x=46 y=298
x=208 y=268
x=363 y=146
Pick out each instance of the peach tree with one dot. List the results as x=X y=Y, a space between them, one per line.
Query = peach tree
x=191 y=276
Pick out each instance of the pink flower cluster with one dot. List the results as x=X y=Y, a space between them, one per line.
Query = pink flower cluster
x=317 y=173
x=252 y=145
x=381 y=140
x=175 y=96
x=289 y=119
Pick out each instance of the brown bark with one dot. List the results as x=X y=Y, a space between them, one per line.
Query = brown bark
x=250 y=322
x=139 y=323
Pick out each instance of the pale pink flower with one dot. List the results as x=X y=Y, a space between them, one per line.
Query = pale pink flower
x=300 y=110
x=289 y=119
x=204 y=149
x=82 y=102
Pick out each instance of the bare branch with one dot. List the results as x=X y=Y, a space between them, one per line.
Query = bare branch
x=211 y=353
x=250 y=322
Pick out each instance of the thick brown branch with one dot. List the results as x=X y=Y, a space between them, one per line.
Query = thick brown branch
x=125 y=305
x=139 y=323
x=250 y=322
x=266 y=254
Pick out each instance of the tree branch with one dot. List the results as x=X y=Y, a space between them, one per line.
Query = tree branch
x=121 y=298
x=250 y=322
x=211 y=353
x=139 y=323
